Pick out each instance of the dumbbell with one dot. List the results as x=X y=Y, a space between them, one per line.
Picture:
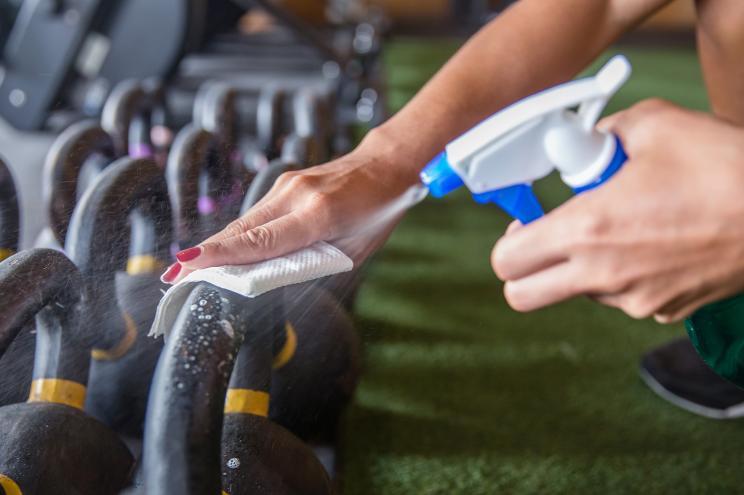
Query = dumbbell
x=49 y=444
x=122 y=304
x=219 y=335
x=258 y=115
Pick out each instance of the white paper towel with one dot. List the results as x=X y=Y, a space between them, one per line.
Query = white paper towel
x=319 y=260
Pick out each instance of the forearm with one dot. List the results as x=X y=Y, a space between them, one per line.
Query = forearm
x=720 y=44
x=531 y=46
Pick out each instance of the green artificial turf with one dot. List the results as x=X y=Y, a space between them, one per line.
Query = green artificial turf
x=462 y=395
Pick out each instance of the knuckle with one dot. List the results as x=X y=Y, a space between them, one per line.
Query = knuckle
x=589 y=230
x=285 y=178
x=645 y=121
x=260 y=237
x=611 y=277
x=301 y=181
x=653 y=106
x=236 y=227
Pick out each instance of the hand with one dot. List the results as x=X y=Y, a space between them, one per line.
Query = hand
x=346 y=201
x=663 y=237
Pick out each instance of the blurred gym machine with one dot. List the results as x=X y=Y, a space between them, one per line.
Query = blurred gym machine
x=62 y=55
x=60 y=59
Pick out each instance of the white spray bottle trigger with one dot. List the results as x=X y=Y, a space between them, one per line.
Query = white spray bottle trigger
x=529 y=139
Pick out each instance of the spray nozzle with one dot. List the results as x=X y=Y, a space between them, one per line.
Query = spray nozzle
x=500 y=158
x=439 y=177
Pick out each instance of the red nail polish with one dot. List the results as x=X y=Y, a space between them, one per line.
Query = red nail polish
x=171 y=273
x=188 y=254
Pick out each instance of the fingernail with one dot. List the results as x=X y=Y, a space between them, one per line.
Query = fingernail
x=188 y=254
x=171 y=273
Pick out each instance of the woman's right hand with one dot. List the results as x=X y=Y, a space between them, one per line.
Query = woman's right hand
x=335 y=202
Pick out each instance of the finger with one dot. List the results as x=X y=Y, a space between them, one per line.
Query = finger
x=530 y=248
x=609 y=300
x=552 y=285
x=275 y=238
x=611 y=122
x=684 y=306
x=251 y=219
x=636 y=126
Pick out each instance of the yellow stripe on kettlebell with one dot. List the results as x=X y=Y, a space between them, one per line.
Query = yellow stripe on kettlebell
x=58 y=391
x=247 y=401
x=289 y=348
x=224 y=492
x=6 y=253
x=144 y=264
x=10 y=487
x=126 y=342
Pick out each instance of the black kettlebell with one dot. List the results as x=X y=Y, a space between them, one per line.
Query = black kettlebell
x=191 y=407
x=18 y=361
x=123 y=304
x=49 y=444
x=74 y=160
x=202 y=188
x=10 y=215
x=84 y=149
x=316 y=349
x=129 y=115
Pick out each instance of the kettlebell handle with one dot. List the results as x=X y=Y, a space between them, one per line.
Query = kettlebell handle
x=183 y=428
x=45 y=284
x=99 y=233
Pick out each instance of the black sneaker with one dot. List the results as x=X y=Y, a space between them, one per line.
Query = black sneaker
x=677 y=374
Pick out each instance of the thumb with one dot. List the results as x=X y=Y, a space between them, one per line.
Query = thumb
x=636 y=126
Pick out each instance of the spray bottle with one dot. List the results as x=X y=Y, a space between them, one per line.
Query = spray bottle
x=500 y=158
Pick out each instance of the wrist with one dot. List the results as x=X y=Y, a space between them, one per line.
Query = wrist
x=407 y=153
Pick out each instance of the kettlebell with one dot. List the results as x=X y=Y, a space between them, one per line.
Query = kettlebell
x=316 y=363
x=10 y=215
x=129 y=115
x=219 y=335
x=75 y=158
x=201 y=185
x=85 y=148
x=49 y=444
x=122 y=304
x=18 y=361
